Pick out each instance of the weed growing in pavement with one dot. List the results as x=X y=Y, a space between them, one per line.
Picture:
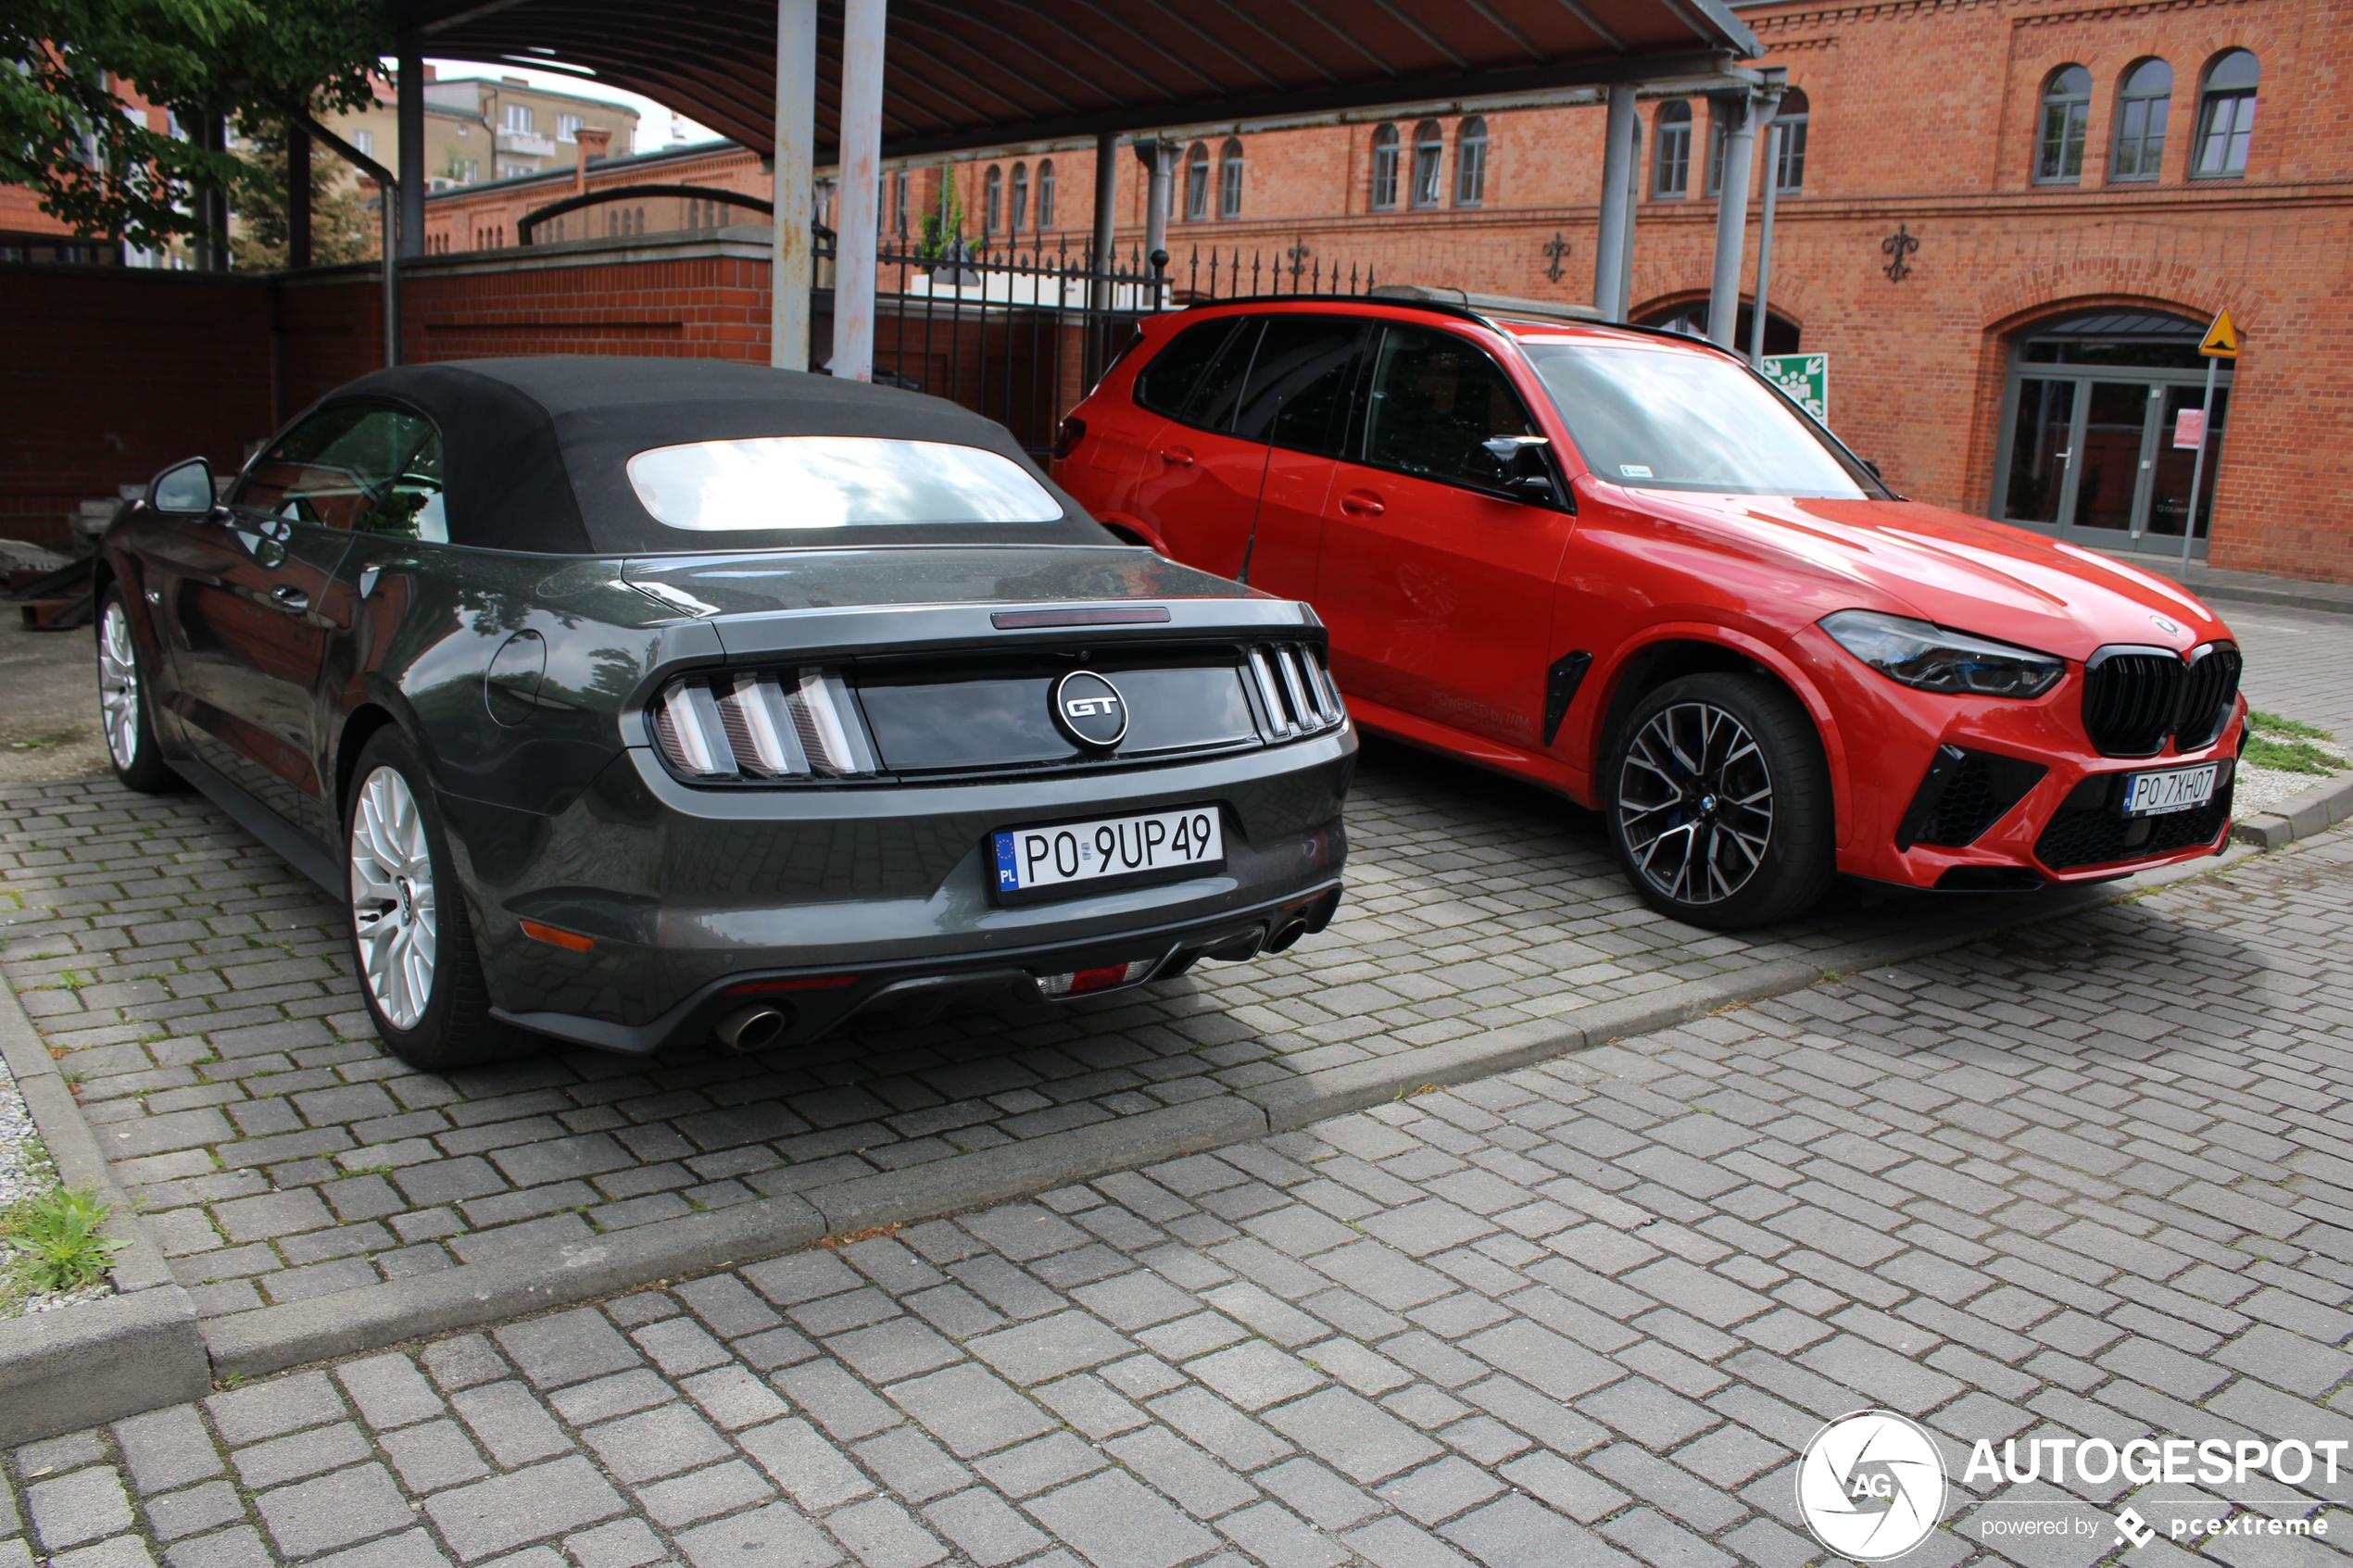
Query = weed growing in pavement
x=55 y=1244
x=2294 y=756
x=2273 y=723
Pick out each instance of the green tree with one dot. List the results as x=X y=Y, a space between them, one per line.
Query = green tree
x=65 y=134
x=344 y=225
x=944 y=229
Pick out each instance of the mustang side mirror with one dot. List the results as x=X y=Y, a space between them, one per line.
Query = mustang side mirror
x=182 y=490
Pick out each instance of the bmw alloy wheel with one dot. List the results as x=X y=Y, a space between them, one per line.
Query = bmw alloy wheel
x=391 y=898
x=1695 y=803
x=118 y=687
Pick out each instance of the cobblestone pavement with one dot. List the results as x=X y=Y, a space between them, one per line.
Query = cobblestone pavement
x=202 y=994
x=2094 y=1180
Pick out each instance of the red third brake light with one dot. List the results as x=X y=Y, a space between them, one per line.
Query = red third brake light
x=815 y=983
x=1066 y=439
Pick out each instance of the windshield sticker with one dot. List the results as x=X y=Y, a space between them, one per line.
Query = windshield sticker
x=1634 y=471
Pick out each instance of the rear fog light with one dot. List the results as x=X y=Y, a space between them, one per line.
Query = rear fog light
x=1110 y=978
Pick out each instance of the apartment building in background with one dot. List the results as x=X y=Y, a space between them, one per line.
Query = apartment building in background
x=483 y=128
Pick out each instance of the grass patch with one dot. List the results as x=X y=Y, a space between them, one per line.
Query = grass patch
x=54 y=1243
x=2273 y=723
x=2290 y=757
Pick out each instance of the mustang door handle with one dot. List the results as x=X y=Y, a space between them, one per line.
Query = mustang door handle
x=1177 y=456
x=287 y=597
x=1362 y=503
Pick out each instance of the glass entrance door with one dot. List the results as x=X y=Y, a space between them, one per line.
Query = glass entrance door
x=2087 y=452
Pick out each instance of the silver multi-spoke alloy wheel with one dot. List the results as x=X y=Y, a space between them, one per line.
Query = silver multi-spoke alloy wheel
x=392 y=897
x=118 y=687
x=1695 y=803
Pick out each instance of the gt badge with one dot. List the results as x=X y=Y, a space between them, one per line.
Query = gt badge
x=1089 y=711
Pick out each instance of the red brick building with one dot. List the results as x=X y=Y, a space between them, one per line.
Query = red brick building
x=2087 y=181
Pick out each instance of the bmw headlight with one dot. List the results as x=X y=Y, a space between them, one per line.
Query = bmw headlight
x=1929 y=657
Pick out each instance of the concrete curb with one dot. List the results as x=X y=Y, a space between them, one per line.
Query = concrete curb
x=2314 y=811
x=77 y=1366
x=536 y=1279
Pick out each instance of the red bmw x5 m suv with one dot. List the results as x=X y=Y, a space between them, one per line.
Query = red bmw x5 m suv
x=1619 y=564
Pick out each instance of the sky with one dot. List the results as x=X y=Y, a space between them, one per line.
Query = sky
x=655 y=121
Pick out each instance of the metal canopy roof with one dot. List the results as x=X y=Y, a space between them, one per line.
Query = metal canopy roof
x=962 y=74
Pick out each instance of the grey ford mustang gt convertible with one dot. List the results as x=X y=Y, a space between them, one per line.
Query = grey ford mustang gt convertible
x=635 y=702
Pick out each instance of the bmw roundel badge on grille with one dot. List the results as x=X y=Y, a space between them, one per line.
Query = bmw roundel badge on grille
x=1091 y=711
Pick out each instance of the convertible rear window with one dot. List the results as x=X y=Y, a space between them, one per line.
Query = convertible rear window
x=793 y=482
x=1659 y=417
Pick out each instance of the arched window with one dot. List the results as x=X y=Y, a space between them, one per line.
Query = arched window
x=2226 y=115
x=1197 y=181
x=992 y=203
x=2140 y=121
x=1430 y=151
x=1229 y=179
x=1673 y=161
x=2067 y=108
x=1045 y=195
x=1789 y=169
x=1470 y=162
x=1385 y=166
x=1021 y=197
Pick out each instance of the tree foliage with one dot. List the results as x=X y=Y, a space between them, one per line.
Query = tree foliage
x=344 y=225
x=94 y=160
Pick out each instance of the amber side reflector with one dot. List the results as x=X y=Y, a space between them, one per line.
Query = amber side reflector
x=768 y=988
x=555 y=938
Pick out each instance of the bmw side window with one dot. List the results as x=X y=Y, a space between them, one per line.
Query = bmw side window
x=1212 y=405
x=1167 y=383
x=1297 y=391
x=1436 y=401
x=337 y=469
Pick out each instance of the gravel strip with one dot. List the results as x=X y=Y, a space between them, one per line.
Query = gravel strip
x=24 y=1164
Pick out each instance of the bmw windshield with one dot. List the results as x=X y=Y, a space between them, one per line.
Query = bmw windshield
x=1660 y=417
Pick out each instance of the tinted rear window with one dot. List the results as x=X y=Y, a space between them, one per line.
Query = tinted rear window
x=1299 y=383
x=1168 y=381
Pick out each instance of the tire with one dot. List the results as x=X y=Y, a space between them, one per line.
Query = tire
x=125 y=718
x=420 y=971
x=1719 y=805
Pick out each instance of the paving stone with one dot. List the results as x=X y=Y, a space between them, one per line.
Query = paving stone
x=432 y=1456
x=1114 y=1523
x=333 y=1510
x=167 y=1447
x=970 y=1411
x=685 y=1500
x=82 y=1506
x=305 y=1453
x=624 y=1543
x=882 y=1535
x=984 y=1528
x=510 y=1423
x=271 y=1410
x=388 y=1390
x=809 y=1468
x=410 y=1549
x=774 y=1536
x=508 y=1511
x=566 y=1347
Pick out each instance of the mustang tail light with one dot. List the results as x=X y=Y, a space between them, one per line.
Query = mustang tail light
x=1300 y=697
x=765 y=726
x=1078 y=983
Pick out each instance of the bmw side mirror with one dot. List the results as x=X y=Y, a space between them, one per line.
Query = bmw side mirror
x=1526 y=476
x=182 y=490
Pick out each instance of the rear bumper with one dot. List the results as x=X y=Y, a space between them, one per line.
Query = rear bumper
x=808 y=1014
x=679 y=893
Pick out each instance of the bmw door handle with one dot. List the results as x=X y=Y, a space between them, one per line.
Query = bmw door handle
x=1176 y=456
x=285 y=595
x=1362 y=503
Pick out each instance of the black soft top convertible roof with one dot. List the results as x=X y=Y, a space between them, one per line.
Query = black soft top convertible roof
x=536 y=451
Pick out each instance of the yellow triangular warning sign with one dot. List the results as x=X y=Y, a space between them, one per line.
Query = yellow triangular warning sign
x=2222 y=338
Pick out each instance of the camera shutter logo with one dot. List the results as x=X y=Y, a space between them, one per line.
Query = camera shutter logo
x=1091 y=711
x=1871 y=1486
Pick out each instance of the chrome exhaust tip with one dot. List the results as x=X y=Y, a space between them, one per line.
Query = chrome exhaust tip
x=752 y=1028
x=1283 y=939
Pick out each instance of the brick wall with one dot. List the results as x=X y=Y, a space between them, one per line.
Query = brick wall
x=113 y=372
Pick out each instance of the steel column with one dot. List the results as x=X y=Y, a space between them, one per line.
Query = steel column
x=1732 y=218
x=1158 y=158
x=298 y=197
x=793 y=272
x=412 y=167
x=856 y=211
x=2197 y=467
x=1106 y=219
x=1618 y=203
